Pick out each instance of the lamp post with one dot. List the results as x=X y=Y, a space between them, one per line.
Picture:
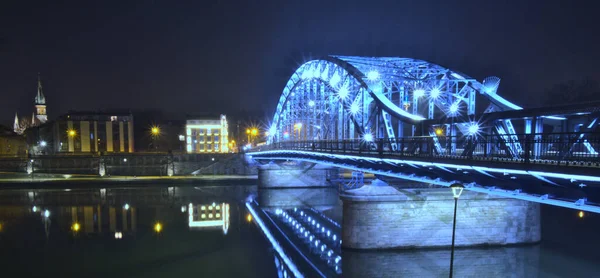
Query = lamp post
x=155 y=132
x=457 y=189
x=254 y=132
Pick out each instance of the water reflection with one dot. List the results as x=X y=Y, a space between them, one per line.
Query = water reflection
x=519 y=261
x=208 y=216
x=131 y=230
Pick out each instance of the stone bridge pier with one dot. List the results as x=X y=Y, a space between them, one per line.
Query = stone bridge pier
x=293 y=174
x=379 y=216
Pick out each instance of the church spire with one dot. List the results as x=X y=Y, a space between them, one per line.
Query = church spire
x=16 y=127
x=39 y=98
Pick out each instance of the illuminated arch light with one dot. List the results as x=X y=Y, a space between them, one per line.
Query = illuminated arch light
x=335 y=79
x=354 y=108
x=435 y=93
x=473 y=128
x=418 y=93
x=316 y=72
x=453 y=108
x=307 y=73
x=343 y=92
x=373 y=75
x=272 y=130
x=311 y=103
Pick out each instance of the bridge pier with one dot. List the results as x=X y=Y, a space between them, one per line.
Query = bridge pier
x=294 y=175
x=378 y=216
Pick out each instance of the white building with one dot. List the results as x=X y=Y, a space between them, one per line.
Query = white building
x=206 y=136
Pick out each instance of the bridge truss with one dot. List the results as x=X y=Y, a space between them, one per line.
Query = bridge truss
x=400 y=107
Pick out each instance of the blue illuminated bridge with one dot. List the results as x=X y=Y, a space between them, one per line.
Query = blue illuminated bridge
x=414 y=120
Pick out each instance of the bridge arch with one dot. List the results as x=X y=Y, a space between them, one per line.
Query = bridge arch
x=344 y=97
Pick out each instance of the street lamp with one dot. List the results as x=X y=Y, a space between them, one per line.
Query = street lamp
x=457 y=189
x=155 y=132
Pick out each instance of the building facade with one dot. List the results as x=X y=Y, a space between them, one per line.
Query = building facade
x=207 y=135
x=11 y=144
x=84 y=132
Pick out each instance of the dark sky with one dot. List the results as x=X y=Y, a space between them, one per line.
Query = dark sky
x=227 y=56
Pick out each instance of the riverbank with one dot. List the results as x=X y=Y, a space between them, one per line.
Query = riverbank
x=9 y=180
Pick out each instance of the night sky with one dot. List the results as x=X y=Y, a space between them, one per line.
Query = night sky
x=232 y=56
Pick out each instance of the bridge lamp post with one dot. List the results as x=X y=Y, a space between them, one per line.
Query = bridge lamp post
x=457 y=189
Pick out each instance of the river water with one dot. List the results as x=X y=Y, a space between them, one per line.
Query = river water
x=149 y=232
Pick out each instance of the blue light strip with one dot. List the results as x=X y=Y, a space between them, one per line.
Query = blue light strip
x=472 y=186
x=274 y=242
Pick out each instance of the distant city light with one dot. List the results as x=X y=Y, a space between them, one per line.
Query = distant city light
x=124 y=159
x=34 y=209
x=418 y=93
x=435 y=93
x=71 y=132
x=343 y=92
x=473 y=128
x=46 y=213
x=581 y=214
x=373 y=75
x=249 y=217
x=311 y=103
x=368 y=137
x=118 y=235
x=126 y=206
x=43 y=143
x=439 y=131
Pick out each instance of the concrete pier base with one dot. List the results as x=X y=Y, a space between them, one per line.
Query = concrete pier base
x=378 y=216
x=294 y=175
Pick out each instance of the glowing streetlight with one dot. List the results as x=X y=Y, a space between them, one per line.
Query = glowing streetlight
x=581 y=214
x=158 y=227
x=155 y=130
x=254 y=131
x=71 y=133
x=75 y=227
x=43 y=143
x=46 y=213
x=439 y=131
x=311 y=103
x=457 y=189
x=249 y=217
x=368 y=137
x=126 y=206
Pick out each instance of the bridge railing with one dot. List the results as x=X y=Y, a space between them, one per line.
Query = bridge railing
x=557 y=147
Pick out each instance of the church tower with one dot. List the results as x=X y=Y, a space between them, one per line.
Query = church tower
x=40 y=103
x=16 y=126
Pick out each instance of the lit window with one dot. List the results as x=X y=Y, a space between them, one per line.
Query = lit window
x=113 y=118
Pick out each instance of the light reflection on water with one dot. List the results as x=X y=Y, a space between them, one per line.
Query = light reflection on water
x=539 y=260
x=130 y=231
x=28 y=237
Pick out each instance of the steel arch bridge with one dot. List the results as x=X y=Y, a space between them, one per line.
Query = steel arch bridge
x=399 y=108
x=342 y=97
